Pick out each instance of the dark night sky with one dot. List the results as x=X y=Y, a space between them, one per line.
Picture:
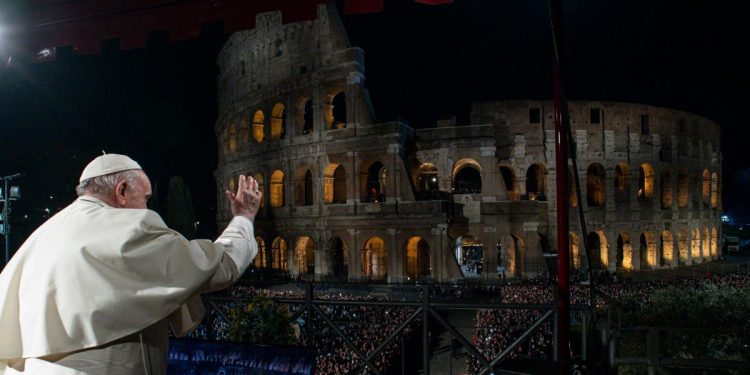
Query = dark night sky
x=158 y=104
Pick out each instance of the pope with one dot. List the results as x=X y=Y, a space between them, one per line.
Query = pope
x=95 y=289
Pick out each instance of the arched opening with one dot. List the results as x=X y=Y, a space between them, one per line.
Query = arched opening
x=469 y=255
x=303 y=187
x=417 y=258
x=308 y=189
x=575 y=250
x=647 y=251
x=225 y=140
x=258 y=126
x=277 y=188
x=278 y=250
x=683 y=188
x=597 y=244
x=305 y=255
x=509 y=181
x=260 y=259
x=645 y=183
x=467 y=177
x=373 y=182
x=682 y=244
x=338 y=111
x=624 y=253
x=232 y=138
x=706 y=188
x=622 y=184
x=714 y=190
x=714 y=243
x=572 y=191
x=375 y=259
x=334 y=184
x=513 y=255
x=666 y=189
x=428 y=186
x=696 y=193
x=536 y=183
x=278 y=121
x=695 y=245
x=340 y=257
x=261 y=187
x=667 y=249
x=595 y=180
x=307 y=117
x=706 y=251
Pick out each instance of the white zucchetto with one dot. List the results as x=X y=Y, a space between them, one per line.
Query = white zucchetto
x=106 y=164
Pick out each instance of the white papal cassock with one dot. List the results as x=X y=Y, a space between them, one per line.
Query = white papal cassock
x=94 y=289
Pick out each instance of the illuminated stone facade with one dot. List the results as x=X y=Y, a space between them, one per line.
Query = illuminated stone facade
x=350 y=198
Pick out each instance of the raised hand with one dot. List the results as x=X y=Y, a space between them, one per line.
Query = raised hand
x=246 y=200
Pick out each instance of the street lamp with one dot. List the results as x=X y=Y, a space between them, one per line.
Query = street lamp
x=7 y=195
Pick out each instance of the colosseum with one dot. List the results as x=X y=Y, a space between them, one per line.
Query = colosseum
x=347 y=197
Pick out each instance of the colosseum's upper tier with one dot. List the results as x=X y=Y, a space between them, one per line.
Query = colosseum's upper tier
x=345 y=196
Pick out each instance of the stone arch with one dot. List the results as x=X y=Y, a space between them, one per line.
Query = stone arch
x=467 y=177
x=666 y=189
x=336 y=113
x=536 y=182
x=225 y=141
x=279 y=254
x=714 y=190
x=646 y=183
x=427 y=181
x=232 y=138
x=375 y=258
x=682 y=246
x=303 y=186
x=683 y=188
x=417 y=255
x=622 y=183
x=575 y=250
x=261 y=257
x=259 y=120
x=508 y=178
x=339 y=257
x=334 y=184
x=706 y=251
x=695 y=245
x=278 y=121
x=304 y=115
x=572 y=190
x=373 y=178
x=515 y=249
x=624 y=252
x=595 y=181
x=597 y=244
x=277 y=188
x=706 y=187
x=647 y=251
x=469 y=252
x=667 y=249
x=304 y=255
x=244 y=130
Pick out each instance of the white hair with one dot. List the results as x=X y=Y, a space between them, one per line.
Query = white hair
x=105 y=185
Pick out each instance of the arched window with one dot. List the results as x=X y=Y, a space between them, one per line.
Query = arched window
x=417 y=258
x=244 y=130
x=338 y=111
x=682 y=245
x=258 y=124
x=304 y=252
x=575 y=250
x=277 y=188
x=308 y=189
x=624 y=253
x=645 y=183
x=278 y=122
x=260 y=259
x=334 y=184
x=375 y=258
x=307 y=117
x=373 y=182
x=622 y=183
x=706 y=187
x=536 y=183
x=667 y=248
x=469 y=254
x=428 y=185
x=695 y=245
x=339 y=256
x=303 y=186
x=467 y=177
x=595 y=178
x=666 y=189
x=714 y=190
x=597 y=243
x=279 y=254
x=647 y=251
x=683 y=188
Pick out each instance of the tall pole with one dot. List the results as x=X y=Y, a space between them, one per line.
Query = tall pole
x=561 y=164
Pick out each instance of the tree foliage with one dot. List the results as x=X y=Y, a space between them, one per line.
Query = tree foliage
x=263 y=322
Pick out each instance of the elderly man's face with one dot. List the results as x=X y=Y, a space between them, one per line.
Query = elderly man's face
x=136 y=196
